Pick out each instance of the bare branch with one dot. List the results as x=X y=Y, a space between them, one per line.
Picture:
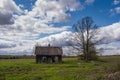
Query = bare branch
x=85 y=32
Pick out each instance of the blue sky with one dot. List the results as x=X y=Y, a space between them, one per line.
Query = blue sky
x=99 y=10
x=23 y=23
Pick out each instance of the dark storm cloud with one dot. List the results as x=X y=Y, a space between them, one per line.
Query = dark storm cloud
x=6 y=18
x=7 y=46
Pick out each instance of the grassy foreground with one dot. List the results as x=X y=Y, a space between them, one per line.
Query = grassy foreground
x=70 y=69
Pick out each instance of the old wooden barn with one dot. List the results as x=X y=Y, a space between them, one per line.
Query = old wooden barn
x=48 y=54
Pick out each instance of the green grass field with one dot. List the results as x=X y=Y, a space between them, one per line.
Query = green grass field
x=70 y=69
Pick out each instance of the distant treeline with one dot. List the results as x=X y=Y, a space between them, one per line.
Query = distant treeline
x=33 y=56
x=25 y=56
x=17 y=56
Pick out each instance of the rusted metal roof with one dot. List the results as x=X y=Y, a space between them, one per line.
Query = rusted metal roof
x=48 y=50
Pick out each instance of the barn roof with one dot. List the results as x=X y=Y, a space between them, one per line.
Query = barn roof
x=48 y=50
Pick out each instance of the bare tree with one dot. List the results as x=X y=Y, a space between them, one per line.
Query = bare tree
x=85 y=32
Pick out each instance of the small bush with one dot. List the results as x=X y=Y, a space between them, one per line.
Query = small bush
x=81 y=57
x=91 y=57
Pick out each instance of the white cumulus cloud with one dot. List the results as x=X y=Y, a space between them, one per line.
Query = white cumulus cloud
x=19 y=29
x=89 y=1
x=19 y=33
x=7 y=8
x=116 y=2
x=117 y=9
